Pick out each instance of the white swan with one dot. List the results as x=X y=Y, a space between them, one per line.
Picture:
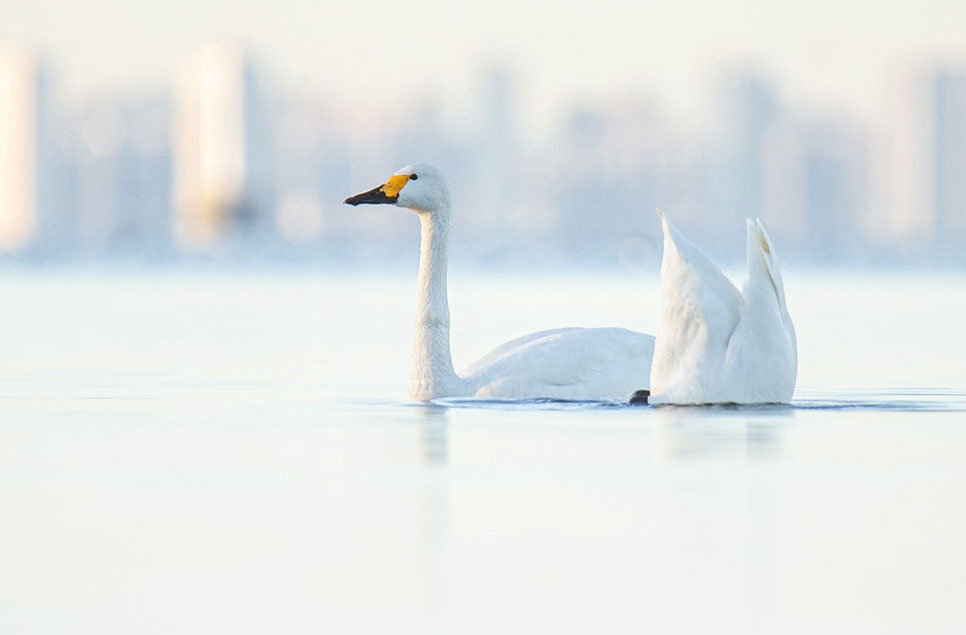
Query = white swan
x=606 y=364
x=717 y=345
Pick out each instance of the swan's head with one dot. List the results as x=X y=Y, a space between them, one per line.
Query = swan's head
x=420 y=187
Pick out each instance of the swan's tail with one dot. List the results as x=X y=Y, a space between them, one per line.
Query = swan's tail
x=693 y=284
x=677 y=248
x=684 y=258
x=761 y=255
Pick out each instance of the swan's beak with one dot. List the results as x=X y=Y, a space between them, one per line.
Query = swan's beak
x=388 y=192
x=375 y=196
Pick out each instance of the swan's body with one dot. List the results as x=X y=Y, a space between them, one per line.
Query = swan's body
x=716 y=344
x=607 y=364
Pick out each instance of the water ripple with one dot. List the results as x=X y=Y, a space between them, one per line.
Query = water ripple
x=902 y=400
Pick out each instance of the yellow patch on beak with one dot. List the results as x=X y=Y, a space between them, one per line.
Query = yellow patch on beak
x=394 y=185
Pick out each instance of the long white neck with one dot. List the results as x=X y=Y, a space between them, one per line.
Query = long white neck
x=431 y=374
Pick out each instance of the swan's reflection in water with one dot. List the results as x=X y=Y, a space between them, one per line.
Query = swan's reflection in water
x=690 y=433
x=435 y=435
x=434 y=517
x=665 y=433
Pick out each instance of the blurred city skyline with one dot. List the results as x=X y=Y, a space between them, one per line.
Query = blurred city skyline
x=226 y=157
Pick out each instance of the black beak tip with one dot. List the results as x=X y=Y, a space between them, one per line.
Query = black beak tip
x=375 y=196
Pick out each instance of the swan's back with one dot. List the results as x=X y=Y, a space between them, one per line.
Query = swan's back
x=598 y=364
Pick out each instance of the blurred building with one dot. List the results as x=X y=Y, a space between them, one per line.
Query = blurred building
x=612 y=168
x=904 y=218
x=222 y=149
x=949 y=159
x=921 y=183
x=497 y=195
x=21 y=106
x=748 y=114
x=313 y=171
x=815 y=188
x=118 y=173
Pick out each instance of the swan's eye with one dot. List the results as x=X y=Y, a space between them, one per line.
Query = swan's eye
x=413 y=177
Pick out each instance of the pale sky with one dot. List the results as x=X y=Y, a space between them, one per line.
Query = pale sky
x=825 y=52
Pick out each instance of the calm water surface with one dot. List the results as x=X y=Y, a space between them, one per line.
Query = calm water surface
x=203 y=452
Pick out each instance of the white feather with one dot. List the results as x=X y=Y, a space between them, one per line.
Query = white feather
x=716 y=344
x=569 y=363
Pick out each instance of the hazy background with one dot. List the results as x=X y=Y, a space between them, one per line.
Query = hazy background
x=228 y=449
x=234 y=129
